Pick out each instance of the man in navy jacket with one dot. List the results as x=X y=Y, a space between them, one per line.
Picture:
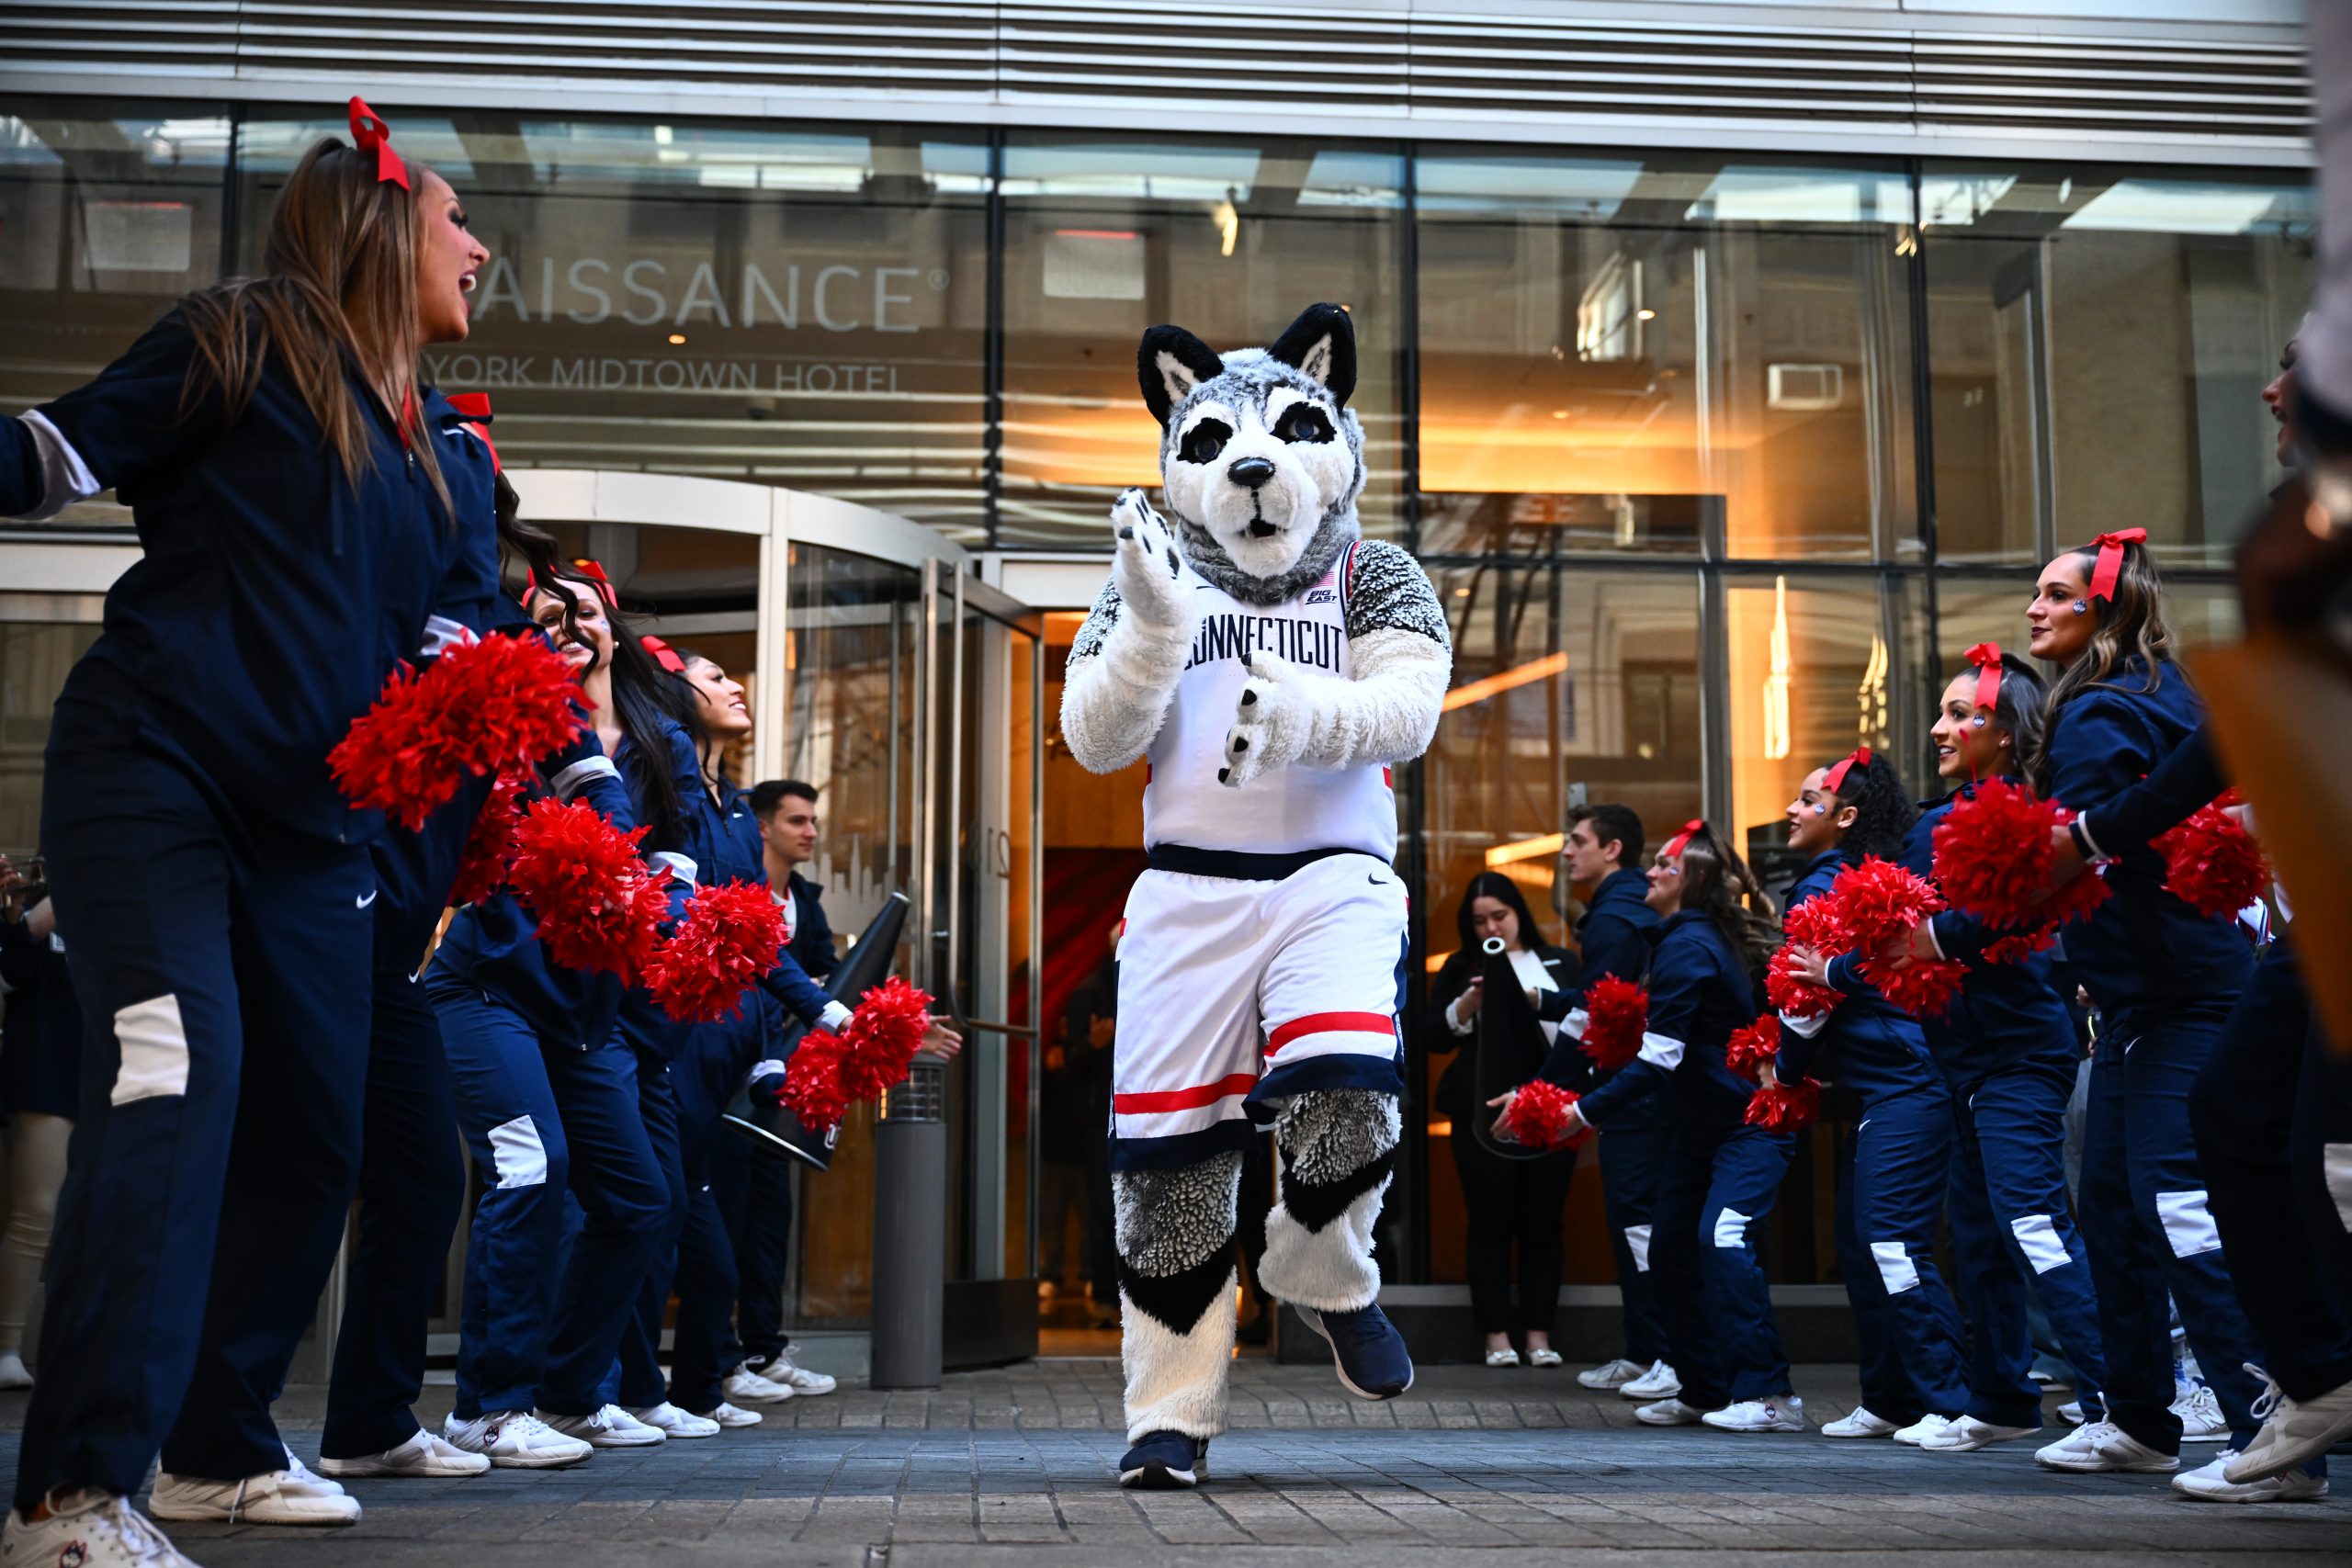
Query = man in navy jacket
x=1604 y=849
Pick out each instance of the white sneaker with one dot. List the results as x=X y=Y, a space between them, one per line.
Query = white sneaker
x=1859 y=1423
x=1610 y=1375
x=88 y=1529
x=2201 y=1416
x=672 y=1422
x=422 y=1455
x=1780 y=1412
x=1658 y=1382
x=1670 y=1413
x=1929 y=1426
x=2071 y=1412
x=2211 y=1483
x=302 y=1472
x=744 y=1386
x=729 y=1416
x=1506 y=1357
x=2104 y=1446
x=1544 y=1356
x=1968 y=1434
x=275 y=1497
x=608 y=1427
x=515 y=1439
x=783 y=1371
x=2293 y=1431
x=12 y=1370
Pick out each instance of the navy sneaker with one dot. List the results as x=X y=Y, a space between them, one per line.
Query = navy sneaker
x=1367 y=1349
x=1165 y=1462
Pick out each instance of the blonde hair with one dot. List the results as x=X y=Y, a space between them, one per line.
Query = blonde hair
x=339 y=279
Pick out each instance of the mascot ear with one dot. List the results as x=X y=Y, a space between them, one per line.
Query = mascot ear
x=1322 y=344
x=1170 y=362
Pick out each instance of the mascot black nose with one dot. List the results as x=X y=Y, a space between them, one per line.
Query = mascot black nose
x=1250 y=471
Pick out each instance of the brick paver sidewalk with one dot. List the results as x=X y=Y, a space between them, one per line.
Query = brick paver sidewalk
x=1011 y=1469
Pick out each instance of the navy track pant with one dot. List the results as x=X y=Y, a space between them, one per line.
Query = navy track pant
x=1715 y=1186
x=1892 y=1171
x=1630 y=1158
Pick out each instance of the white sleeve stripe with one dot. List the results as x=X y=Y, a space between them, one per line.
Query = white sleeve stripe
x=1806 y=1027
x=2082 y=825
x=570 y=782
x=442 y=634
x=1661 y=1051
x=65 y=479
x=766 y=1068
x=682 y=867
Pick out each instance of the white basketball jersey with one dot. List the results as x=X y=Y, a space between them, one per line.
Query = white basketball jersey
x=1293 y=808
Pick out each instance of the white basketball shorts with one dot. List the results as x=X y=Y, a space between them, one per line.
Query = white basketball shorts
x=1237 y=994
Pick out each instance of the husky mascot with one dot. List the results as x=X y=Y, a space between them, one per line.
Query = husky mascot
x=1269 y=664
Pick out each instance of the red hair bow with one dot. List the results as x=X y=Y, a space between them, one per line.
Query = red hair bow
x=1835 y=779
x=1986 y=657
x=475 y=406
x=370 y=134
x=1675 y=845
x=588 y=571
x=2110 y=560
x=663 y=654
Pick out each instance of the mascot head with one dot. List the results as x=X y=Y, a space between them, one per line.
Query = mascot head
x=1260 y=460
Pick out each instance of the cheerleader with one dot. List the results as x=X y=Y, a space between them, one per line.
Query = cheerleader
x=411 y=1176
x=713 y=1062
x=1720 y=1175
x=2007 y=1049
x=550 y=1101
x=1898 y=1160
x=2267 y=1105
x=284 y=470
x=2164 y=980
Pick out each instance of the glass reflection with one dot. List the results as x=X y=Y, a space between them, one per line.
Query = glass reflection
x=1230 y=240
x=1675 y=355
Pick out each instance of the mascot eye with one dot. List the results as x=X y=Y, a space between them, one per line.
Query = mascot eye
x=1303 y=422
x=1204 y=441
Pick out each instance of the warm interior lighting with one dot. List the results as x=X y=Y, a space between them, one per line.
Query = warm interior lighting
x=1647 y=315
x=1228 y=225
x=1478 y=691
x=1442 y=1128
x=1437 y=961
x=1872 y=694
x=1527 y=849
x=677 y=339
x=1776 y=684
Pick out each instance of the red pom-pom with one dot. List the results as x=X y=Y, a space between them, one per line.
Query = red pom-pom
x=2211 y=863
x=1812 y=924
x=812 y=1082
x=1879 y=900
x=880 y=1039
x=2019 y=946
x=1925 y=987
x=597 y=906
x=730 y=936
x=491 y=843
x=1616 y=1011
x=501 y=703
x=1537 y=1116
x=1993 y=854
x=1785 y=1108
x=1754 y=1046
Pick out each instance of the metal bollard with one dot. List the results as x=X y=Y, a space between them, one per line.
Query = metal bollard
x=911 y=1229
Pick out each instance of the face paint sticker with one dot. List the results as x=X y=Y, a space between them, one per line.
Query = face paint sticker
x=2081 y=608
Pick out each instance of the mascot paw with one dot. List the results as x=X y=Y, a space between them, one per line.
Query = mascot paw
x=1144 y=562
x=1271 y=720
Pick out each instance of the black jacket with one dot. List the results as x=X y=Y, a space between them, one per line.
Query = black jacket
x=1458 y=1091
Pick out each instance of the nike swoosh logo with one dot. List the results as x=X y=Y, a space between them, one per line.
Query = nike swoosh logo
x=369 y=900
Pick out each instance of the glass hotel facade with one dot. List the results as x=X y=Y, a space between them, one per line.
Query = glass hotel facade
x=1718 y=458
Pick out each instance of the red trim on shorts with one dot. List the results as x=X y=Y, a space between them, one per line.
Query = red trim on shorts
x=1331 y=1023
x=1192 y=1099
